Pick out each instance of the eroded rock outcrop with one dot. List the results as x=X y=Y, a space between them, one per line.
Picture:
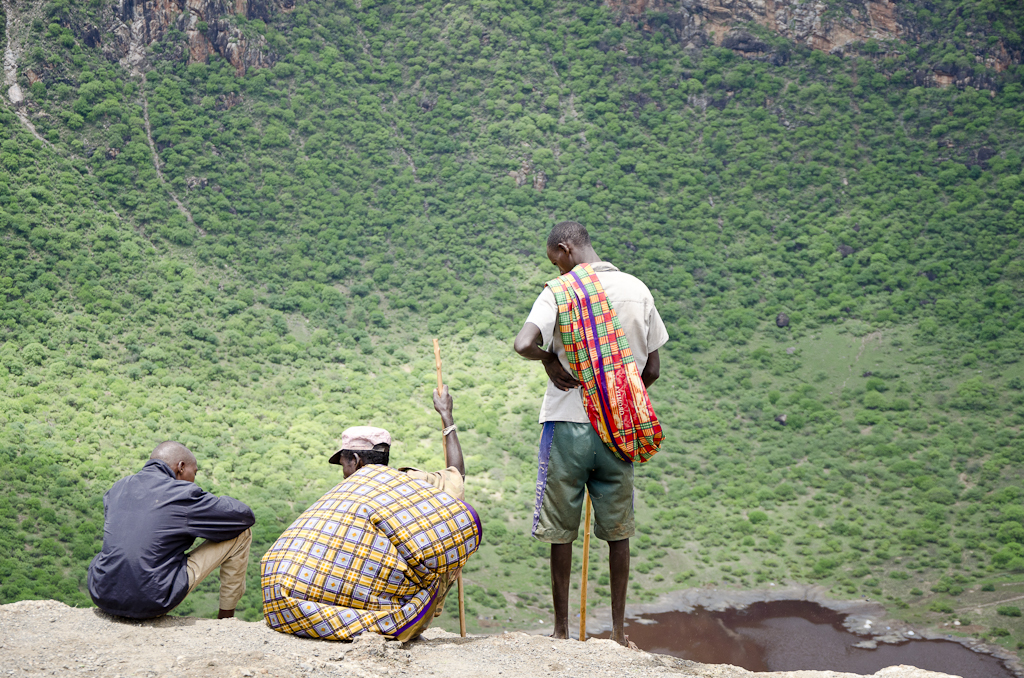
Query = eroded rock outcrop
x=523 y=176
x=828 y=27
x=810 y=23
x=136 y=24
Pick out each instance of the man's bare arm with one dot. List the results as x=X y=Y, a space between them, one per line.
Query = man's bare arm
x=652 y=370
x=527 y=344
x=453 y=449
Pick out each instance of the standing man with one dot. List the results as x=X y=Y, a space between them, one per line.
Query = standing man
x=149 y=520
x=596 y=415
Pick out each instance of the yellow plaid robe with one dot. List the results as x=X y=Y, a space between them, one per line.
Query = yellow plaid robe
x=376 y=553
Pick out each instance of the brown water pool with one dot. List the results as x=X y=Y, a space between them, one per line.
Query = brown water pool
x=795 y=635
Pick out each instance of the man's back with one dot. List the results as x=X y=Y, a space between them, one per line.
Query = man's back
x=150 y=519
x=377 y=552
x=634 y=306
x=638 y=317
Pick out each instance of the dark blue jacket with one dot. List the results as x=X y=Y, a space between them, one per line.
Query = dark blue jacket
x=149 y=520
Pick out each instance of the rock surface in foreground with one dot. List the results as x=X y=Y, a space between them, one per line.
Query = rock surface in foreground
x=44 y=637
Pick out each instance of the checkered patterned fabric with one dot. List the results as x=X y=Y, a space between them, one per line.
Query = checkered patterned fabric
x=595 y=345
x=373 y=554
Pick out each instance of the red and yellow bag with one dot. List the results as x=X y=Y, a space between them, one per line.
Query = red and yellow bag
x=595 y=345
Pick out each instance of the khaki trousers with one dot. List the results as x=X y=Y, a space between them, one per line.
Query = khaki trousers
x=232 y=557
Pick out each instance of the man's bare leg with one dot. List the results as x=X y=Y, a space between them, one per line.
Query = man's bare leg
x=618 y=562
x=225 y=614
x=561 y=568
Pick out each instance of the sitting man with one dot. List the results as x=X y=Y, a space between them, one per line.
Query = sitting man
x=149 y=520
x=379 y=551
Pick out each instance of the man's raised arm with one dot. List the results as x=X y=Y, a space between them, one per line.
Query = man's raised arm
x=452 y=448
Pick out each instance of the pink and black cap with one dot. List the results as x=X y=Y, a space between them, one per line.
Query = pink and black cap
x=362 y=439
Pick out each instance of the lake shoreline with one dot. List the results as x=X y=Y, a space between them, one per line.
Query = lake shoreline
x=865 y=617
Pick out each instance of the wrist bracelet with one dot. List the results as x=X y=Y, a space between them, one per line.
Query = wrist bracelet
x=448 y=429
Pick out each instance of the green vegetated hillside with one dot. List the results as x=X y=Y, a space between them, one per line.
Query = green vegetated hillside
x=393 y=177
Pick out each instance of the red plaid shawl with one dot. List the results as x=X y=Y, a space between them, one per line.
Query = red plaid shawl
x=599 y=355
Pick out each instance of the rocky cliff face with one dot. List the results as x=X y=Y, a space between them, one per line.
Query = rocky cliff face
x=134 y=25
x=700 y=22
x=828 y=27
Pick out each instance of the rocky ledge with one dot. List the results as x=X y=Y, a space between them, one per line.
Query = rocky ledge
x=49 y=638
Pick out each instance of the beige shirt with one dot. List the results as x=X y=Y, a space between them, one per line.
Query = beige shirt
x=449 y=480
x=645 y=331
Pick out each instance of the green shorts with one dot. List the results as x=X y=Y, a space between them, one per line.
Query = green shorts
x=572 y=456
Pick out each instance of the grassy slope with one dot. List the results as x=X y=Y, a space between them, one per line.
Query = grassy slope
x=328 y=263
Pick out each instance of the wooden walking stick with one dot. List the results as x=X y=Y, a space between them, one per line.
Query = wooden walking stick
x=586 y=566
x=444 y=449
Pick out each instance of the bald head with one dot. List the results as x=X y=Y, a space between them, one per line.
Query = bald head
x=179 y=458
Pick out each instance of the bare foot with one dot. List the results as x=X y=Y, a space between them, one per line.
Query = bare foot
x=623 y=640
x=225 y=614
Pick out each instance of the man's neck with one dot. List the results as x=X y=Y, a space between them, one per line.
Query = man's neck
x=585 y=255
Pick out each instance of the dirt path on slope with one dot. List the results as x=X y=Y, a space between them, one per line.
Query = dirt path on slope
x=156 y=162
x=44 y=638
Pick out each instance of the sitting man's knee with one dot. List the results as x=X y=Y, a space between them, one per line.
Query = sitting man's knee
x=241 y=545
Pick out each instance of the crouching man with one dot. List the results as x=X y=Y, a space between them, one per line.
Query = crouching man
x=150 y=520
x=378 y=552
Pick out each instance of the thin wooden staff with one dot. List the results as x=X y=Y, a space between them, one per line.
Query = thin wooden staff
x=586 y=566
x=444 y=449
